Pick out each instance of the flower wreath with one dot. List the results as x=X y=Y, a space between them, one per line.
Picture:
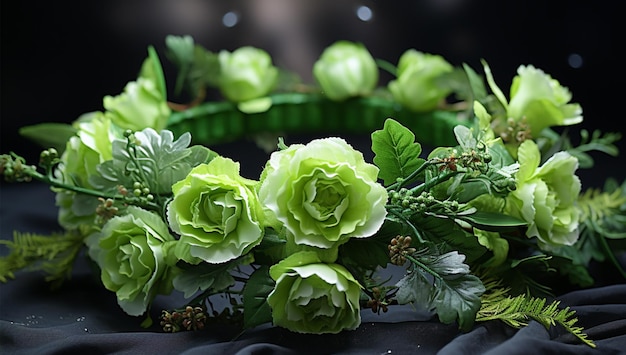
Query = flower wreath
x=479 y=223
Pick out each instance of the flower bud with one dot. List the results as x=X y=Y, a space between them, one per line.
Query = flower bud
x=418 y=85
x=246 y=73
x=346 y=69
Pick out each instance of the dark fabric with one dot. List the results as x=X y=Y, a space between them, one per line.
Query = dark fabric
x=83 y=317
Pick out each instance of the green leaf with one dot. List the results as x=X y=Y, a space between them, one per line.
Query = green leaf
x=256 y=310
x=366 y=252
x=493 y=221
x=206 y=68
x=458 y=299
x=49 y=135
x=520 y=274
x=476 y=83
x=153 y=70
x=271 y=249
x=442 y=230
x=396 y=152
x=415 y=288
x=196 y=66
x=494 y=242
x=465 y=137
x=493 y=86
x=158 y=161
x=271 y=239
x=204 y=277
x=454 y=294
x=180 y=51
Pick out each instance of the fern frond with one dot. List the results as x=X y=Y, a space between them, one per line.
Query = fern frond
x=603 y=217
x=519 y=310
x=597 y=205
x=53 y=254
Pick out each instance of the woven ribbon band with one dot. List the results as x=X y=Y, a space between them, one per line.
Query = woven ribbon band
x=297 y=113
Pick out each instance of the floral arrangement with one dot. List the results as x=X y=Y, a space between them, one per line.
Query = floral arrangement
x=481 y=224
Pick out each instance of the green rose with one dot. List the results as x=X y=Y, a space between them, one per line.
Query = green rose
x=216 y=212
x=323 y=193
x=541 y=101
x=246 y=73
x=140 y=106
x=131 y=251
x=314 y=297
x=418 y=85
x=346 y=69
x=83 y=152
x=546 y=195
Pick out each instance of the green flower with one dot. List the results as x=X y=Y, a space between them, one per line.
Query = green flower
x=541 y=101
x=546 y=195
x=314 y=297
x=131 y=251
x=418 y=85
x=323 y=193
x=216 y=212
x=83 y=152
x=246 y=73
x=140 y=106
x=346 y=69
x=89 y=147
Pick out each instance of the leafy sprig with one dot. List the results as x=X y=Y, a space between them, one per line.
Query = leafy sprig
x=517 y=311
x=597 y=141
x=53 y=254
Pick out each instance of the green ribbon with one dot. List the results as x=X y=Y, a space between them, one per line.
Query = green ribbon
x=214 y=123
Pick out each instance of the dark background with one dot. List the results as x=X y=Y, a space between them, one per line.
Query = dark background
x=58 y=59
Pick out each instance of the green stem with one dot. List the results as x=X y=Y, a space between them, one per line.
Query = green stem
x=84 y=191
x=387 y=66
x=430 y=183
x=132 y=153
x=407 y=222
x=411 y=176
x=422 y=266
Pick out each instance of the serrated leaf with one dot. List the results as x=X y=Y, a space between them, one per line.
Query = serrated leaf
x=256 y=310
x=49 y=135
x=416 y=288
x=396 y=152
x=453 y=293
x=159 y=161
x=458 y=299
